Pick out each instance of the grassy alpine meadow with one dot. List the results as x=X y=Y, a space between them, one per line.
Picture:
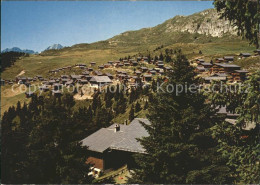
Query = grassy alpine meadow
x=40 y=64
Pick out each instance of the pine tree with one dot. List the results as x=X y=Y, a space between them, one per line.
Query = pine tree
x=137 y=107
x=240 y=147
x=146 y=105
x=132 y=113
x=179 y=147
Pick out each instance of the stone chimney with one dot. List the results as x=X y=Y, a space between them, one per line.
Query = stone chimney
x=117 y=128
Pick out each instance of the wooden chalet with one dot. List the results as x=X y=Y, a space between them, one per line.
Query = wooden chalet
x=76 y=77
x=85 y=73
x=126 y=64
x=219 y=60
x=257 y=52
x=92 y=63
x=200 y=69
x=209 y=79
x=147 y=78
x=111 y=62
x=200 y=60
x=119 y=65
x=108 y=145
x=138 y=73
x=107 y=65
x=69 y=83
x=101 y=67
x=228 y=58
x=98 y=73
x=206 y=65
x=100 y=80
x=239 y=75
x=224 y=68
x=245 y=55
x=64 y=76
x=134 y=63
x=83 y=81
x=153 y=72
x=144 y=69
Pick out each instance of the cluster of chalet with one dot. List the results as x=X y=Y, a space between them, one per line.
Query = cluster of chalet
x=96 y=77
x=222 y=69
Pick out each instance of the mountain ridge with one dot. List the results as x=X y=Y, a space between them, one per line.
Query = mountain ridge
x=205 y=23
x=17 y=49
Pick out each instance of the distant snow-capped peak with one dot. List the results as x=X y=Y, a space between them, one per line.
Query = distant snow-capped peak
x=54 y=46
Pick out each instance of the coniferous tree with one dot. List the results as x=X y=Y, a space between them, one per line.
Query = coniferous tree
x=179 y=147
x=132 y=113
x=146 y=105
x=137 y=107
x=239 y=146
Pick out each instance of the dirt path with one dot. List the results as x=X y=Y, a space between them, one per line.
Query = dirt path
x=21 y=73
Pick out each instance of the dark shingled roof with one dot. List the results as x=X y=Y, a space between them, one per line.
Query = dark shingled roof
x=125 y=139
x=100 y=79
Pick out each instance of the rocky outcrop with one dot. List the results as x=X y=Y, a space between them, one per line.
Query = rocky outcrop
x=206 y=22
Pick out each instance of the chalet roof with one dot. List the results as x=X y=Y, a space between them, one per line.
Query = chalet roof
x=245 y=54
x=241 y=71
x=64 y=76
x=229 y=57
x=75 y=76
x=108 y=74
x=100 y=79
x=206 y=64
x=215 y=78
x=69 y=82
x=65 y=79
x=200 y=68
x=227 y=65
x=125 y=139
x=85 y=72
x=52 y=81
x=220 y=74
x=200 y=60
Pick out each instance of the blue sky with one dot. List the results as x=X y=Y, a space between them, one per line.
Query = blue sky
x=37 y=25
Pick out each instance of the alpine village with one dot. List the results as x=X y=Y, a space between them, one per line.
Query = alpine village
x=178 y=103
